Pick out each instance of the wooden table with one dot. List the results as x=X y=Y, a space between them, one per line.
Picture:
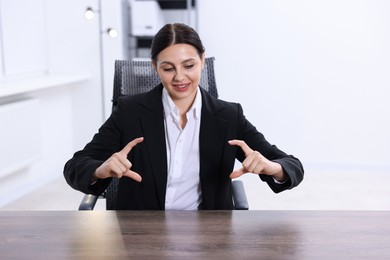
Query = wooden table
x=195 y=235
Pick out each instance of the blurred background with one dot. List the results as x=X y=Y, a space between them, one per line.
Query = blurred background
x=313 y=76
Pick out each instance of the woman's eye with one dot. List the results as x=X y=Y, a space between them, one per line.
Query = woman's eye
x=189 y=66
x=168 y=69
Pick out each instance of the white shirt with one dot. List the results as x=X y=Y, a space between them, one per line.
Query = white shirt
x=183 y=183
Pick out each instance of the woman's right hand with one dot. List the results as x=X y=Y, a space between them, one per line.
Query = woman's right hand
x=118 y=165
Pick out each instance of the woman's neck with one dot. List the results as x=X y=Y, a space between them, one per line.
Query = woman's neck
x=184 y=105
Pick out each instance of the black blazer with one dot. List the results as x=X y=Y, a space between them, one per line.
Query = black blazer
x=142 y=116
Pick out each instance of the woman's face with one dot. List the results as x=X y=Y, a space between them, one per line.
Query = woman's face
x=179 y=67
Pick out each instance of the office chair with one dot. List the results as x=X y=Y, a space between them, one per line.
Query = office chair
x=138 y=76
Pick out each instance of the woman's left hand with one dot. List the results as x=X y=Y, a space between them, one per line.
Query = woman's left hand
x=256 y=163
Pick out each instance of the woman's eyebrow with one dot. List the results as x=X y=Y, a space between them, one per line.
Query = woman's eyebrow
x=166 y=62
x=187 y=60
x=171 y=63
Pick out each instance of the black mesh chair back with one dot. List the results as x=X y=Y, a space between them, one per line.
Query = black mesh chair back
x=138 y=76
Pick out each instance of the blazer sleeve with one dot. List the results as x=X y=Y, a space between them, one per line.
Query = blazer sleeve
x=79 y=169
x=291 y=165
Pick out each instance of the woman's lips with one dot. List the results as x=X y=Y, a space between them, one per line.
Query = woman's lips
x=181 y=87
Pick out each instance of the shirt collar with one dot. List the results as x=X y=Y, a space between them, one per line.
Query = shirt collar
x=170 y=107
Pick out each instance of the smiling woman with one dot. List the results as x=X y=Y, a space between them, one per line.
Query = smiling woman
x=174 y=147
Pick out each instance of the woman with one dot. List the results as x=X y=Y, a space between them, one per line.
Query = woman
x=174 y=148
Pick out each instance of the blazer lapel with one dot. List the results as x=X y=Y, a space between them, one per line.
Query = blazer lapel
x=154 y=133
x=211 y=146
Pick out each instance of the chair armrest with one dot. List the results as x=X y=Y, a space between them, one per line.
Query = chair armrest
x=239 y=197
x=88 y=202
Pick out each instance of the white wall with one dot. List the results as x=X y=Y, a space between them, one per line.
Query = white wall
x=313 y=76
x=70 y=113
x=75 y=48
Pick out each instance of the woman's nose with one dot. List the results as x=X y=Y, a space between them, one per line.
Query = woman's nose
x=179 y=75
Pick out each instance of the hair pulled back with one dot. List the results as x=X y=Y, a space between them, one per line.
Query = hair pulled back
x=175 y=33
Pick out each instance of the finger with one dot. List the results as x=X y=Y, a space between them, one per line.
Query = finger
x=253 y=162
x=126 y=150
x=114 y=168
x=120 y=161
x=237 y=173
x=251 y=167
x=133 y=175
x=245 y=148
x=124 y=162
x=258 y=168
x=249 y=163
x=118 y=169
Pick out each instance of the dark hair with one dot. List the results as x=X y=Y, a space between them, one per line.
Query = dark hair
x=175 y=33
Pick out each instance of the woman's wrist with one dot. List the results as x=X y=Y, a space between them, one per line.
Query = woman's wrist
x=278 y=173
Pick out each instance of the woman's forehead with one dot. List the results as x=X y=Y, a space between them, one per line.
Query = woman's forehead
x=178 y=53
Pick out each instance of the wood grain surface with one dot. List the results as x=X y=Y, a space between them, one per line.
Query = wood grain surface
x=195 y=235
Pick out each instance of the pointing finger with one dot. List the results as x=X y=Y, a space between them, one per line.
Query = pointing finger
x=237 y=173
x=133 y=175
x=126 y=150
x=245 y=148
